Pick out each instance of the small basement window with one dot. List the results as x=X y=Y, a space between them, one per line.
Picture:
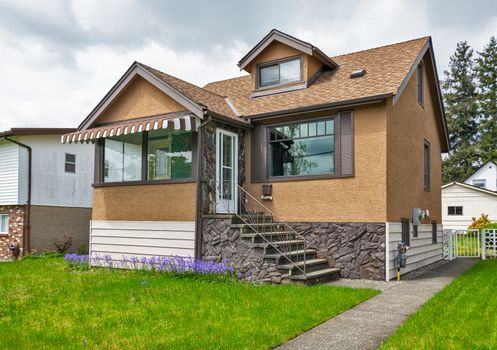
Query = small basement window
x=454 y=210
x=280 y=72
x=70 y=163
x=4 y=223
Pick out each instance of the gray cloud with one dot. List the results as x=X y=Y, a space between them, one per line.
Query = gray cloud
x=60 y=57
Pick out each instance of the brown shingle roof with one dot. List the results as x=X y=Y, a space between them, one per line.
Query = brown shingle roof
x=214 y=102
x=386 y=67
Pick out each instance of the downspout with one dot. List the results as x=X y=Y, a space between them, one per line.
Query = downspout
x=27 y=227
x=198 y=218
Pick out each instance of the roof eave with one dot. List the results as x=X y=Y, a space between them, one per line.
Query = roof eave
x=322 y=106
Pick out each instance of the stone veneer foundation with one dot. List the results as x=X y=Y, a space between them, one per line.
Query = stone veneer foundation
x=358 y=249
x=16 y=229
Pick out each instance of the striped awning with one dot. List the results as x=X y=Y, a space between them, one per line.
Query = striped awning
x=184 y=123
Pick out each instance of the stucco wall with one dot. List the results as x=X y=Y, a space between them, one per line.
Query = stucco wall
x=139 y=99
x=361 y=198
x=161 y=202
x=49 y=223
x=408 y=125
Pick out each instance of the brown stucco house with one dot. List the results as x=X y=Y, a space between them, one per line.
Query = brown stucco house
x=308 y=167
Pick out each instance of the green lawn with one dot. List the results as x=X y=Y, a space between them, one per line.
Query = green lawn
x=44 y=305
x=462 y=316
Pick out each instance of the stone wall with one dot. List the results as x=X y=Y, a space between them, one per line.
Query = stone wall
x=220 y=242
x=16 y=230
x=358 y=249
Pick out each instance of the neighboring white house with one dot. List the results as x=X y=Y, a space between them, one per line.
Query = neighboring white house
x=461 y=202
x=58 y=203
x=485 y=177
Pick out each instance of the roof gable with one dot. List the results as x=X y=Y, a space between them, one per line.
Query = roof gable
x=300 y=45
x=470 y=187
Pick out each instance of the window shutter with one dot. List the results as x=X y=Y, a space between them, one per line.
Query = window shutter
x=258 y=154
x=347 y=143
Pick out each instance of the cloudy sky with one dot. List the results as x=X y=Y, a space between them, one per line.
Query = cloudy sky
x=60 y=57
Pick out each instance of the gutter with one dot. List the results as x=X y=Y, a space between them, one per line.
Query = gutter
x=322 y=107
x=198 y=216
x=27 y=226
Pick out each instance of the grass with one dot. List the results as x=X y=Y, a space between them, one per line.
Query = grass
x=44 y=305
x=462 y=316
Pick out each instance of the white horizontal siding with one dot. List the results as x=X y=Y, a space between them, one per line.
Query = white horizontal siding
x=142 y=238
x=422 y=251
x=474 y=203
x=9 y=171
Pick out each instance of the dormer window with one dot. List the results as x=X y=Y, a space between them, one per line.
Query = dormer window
x=280 y=72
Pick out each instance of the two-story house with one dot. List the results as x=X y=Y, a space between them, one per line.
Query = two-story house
x=45 y=190
x=307 y=167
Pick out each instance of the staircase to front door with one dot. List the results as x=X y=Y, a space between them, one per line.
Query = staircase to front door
x=279 y=243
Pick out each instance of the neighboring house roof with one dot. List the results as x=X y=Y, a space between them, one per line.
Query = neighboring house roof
x=481 y=167
x=276 y=35
x=386 y=68
x=471 y=187
x=36 y=131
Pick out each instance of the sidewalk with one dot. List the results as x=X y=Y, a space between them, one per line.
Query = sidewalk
x=368 y=324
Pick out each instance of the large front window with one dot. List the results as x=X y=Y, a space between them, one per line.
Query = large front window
x=302 y=148
x=123 y=158
x=168 y=156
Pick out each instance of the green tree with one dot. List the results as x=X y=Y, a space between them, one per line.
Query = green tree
x=486 y=69
x=461 y=110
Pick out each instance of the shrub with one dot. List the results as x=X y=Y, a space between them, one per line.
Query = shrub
x=63 y=244
x=479 y=223
x=491 y=225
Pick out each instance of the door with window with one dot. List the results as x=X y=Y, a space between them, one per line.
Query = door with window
x=226 y=171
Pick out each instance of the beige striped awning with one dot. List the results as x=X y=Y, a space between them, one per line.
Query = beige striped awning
x=185 y=123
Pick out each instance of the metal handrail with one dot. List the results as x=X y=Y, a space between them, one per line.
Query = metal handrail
x=257 y=220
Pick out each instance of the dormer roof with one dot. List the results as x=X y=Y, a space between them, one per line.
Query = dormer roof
x=276 y=35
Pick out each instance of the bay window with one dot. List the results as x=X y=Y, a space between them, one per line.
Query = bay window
x=123 y=158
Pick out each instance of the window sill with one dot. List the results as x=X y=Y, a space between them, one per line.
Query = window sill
x=3 y=234
x=143 y=183
x=279 y=88
x=303 y=178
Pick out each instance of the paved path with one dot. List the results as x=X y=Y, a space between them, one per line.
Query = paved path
x=368 y=324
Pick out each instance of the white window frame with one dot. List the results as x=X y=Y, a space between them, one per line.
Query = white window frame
x=1 y=219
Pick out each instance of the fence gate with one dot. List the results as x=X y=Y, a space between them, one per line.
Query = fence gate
x=489 y=244
x=469 y=243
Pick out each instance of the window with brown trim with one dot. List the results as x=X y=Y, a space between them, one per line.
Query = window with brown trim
x=304 y=148
x=151 y=156
x=280 y=72
x=426 y=166
x=421 y=98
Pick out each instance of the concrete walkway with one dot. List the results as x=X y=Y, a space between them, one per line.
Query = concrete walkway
x=368 y=324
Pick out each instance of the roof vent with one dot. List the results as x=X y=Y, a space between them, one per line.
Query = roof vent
x=357 y=73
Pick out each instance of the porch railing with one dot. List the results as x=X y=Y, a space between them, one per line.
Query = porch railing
x=283 y=239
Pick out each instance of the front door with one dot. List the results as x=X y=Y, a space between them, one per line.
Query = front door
x=226 y=171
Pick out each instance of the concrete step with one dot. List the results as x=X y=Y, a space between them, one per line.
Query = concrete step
x=295 y=254
x=270 y=236
x=310 y=266
x=280 y=246
x=319 y=276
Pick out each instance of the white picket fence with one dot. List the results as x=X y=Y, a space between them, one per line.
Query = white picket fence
x=469 y=243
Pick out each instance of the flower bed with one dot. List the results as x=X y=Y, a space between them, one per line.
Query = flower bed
x=173 y=264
